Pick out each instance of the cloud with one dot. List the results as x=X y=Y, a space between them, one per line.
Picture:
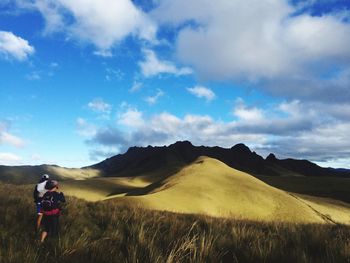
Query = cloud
x=265 y=42
x=84 y=128
x=9 y=159
x=103 y=23
x=151 y=100
x=7 y=138
x=202 y=92
x=152 y=66
x=114 y=74
x=98 y=105
x=35 y=75
x=166 y=128
x=248 y=114
x=131 y=118
x=288 y=129
x=12 y=46
x=136 y=86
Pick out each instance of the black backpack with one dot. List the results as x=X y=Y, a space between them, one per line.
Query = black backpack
x=48 y=203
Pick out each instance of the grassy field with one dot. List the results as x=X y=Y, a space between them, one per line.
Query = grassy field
x=108 y=232
x=209 y=187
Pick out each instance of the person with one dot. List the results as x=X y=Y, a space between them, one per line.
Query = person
x=51 y=208
x=38 y=194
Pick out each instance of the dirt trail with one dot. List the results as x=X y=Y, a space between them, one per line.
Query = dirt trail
x=324 y=217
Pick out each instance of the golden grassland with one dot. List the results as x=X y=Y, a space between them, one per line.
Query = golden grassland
x=209 y=187
x=109 y=232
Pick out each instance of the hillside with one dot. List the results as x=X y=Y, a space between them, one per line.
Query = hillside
x=106 y=232
x=31 y=174
x=210 y=187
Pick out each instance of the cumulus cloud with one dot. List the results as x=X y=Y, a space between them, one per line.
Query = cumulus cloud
x=152 y=66
x=131 y=118
x=103 y=23
x=12 y=46
x=288 y=129
x=9 y=159
x=100 y=106
x=151 y=100
x=260 y=41
x=202 y=92
x=166 y=128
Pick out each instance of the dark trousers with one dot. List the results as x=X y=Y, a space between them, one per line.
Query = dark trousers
x=50 y=224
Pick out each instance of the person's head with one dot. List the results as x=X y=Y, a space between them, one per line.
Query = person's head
x=51 y=185
x=44 y=177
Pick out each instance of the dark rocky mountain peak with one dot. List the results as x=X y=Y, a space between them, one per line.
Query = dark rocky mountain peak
x=143 y=160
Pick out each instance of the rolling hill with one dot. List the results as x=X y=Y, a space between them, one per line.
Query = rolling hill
x=210 y=187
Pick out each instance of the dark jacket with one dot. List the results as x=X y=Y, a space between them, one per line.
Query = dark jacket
x=55 y=199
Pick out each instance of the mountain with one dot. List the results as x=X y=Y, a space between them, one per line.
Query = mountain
x=168 y=159
x=156 y=163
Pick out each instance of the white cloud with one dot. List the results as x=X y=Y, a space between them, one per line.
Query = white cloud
x=12 y=46
x=255 y=40
x=289 y=129
x=202 y=92
x=84 y=128
x=151 y=100
x=152 y=66
x=103 y=23
x=248 y=114
x=136 y=86
x=131 y=118
x=9 y=159
x=98 y=105
x=7 y=138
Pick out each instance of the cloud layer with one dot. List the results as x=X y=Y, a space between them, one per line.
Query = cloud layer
x=289 y=129
x=262 y=42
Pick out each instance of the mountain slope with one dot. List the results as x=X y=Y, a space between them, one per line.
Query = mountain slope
x=31 y=174
x=210 y=187
x=169 y=159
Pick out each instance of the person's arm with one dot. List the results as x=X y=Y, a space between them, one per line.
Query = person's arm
x=61 y=197
x=35 y=195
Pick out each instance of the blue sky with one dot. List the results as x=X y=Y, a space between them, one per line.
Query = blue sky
x=84 y=80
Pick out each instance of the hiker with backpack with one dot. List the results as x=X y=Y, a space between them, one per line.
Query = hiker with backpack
x=51 y=207
x=38 y=194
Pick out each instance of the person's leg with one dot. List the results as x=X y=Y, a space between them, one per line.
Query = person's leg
x=38 y=221
x=55 y=226
x=46 y=223
x=43 y=236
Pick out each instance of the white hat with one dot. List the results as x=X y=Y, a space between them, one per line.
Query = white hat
x=45 y=176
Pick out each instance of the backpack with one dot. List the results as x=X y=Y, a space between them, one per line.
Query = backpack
x=48 y=203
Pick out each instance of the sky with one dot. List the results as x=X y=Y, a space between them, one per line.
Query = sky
x=83 y=80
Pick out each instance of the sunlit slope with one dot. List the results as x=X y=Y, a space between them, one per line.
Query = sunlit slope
x=97 y=189
x=210 y=187
x=32 y=174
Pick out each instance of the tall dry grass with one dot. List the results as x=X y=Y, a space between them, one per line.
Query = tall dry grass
x=106 y=232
